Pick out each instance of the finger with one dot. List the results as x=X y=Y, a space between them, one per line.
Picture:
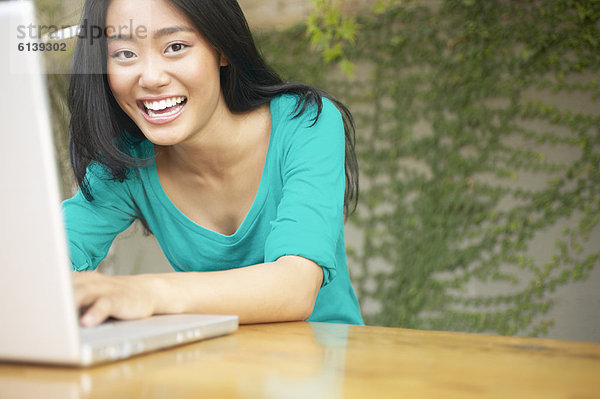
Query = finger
x=85 y=297
x=99 y=311
x=86 y=288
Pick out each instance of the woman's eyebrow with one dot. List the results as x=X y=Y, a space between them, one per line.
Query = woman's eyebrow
x=170 y=30
x=158 y=34
x=127 y=37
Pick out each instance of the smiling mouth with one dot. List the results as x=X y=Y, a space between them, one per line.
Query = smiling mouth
x=162 y=108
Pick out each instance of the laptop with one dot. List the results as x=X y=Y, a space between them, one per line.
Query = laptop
x=38 y=315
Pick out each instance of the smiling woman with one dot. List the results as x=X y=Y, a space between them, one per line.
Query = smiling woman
x=243 y=178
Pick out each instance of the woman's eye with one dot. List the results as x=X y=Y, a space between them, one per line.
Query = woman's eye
x=124 y=55
x=175 y=48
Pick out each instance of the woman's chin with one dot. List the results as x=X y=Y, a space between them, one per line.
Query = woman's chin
x=162 y=138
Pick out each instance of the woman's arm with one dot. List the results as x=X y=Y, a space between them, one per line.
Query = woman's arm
x=284 y=290
x=92 y=226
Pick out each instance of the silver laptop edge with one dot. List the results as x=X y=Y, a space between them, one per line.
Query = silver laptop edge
x=39 y=319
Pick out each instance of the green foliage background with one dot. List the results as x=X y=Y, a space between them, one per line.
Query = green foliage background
x=447 y=127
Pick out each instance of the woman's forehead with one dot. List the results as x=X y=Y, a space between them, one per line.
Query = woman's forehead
x=131 y=16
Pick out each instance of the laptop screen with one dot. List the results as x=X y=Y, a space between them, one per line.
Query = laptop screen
x=36 y=306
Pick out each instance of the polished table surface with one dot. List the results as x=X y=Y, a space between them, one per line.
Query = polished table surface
x=319 y=360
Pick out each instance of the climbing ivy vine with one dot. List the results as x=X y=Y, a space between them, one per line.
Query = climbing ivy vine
x=465 y=155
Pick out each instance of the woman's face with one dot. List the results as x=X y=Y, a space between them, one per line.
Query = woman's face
x=161 y=71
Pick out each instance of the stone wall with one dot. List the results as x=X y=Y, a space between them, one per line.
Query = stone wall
x=275 y=14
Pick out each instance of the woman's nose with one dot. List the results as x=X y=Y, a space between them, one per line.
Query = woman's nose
x=153 y=74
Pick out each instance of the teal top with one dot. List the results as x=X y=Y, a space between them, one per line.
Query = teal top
x=298 y=210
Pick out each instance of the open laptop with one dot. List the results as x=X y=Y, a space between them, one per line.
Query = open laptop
x=38 y=317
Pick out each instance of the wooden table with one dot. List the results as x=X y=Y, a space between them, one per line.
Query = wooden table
x=318 y=360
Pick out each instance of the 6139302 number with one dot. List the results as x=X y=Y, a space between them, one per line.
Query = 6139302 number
x=42 y=46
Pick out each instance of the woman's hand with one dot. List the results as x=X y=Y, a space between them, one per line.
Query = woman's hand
x=100 y=296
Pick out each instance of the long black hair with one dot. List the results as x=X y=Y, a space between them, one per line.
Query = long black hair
x=98 y=124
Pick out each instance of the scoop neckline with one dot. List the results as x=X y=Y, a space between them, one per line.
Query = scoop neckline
x=180 y=217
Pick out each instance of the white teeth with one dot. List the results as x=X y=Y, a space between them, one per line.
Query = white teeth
x=162 y=104
x=174 y=110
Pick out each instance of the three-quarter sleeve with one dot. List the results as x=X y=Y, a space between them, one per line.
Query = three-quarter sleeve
x=92 y=226
x=309 y=217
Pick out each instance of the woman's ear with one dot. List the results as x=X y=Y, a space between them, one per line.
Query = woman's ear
x=223 y=61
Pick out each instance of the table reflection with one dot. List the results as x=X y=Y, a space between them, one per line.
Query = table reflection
x=325 y=379
x=291 y=360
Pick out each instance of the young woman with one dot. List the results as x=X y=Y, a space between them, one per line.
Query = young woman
x=243 y=179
